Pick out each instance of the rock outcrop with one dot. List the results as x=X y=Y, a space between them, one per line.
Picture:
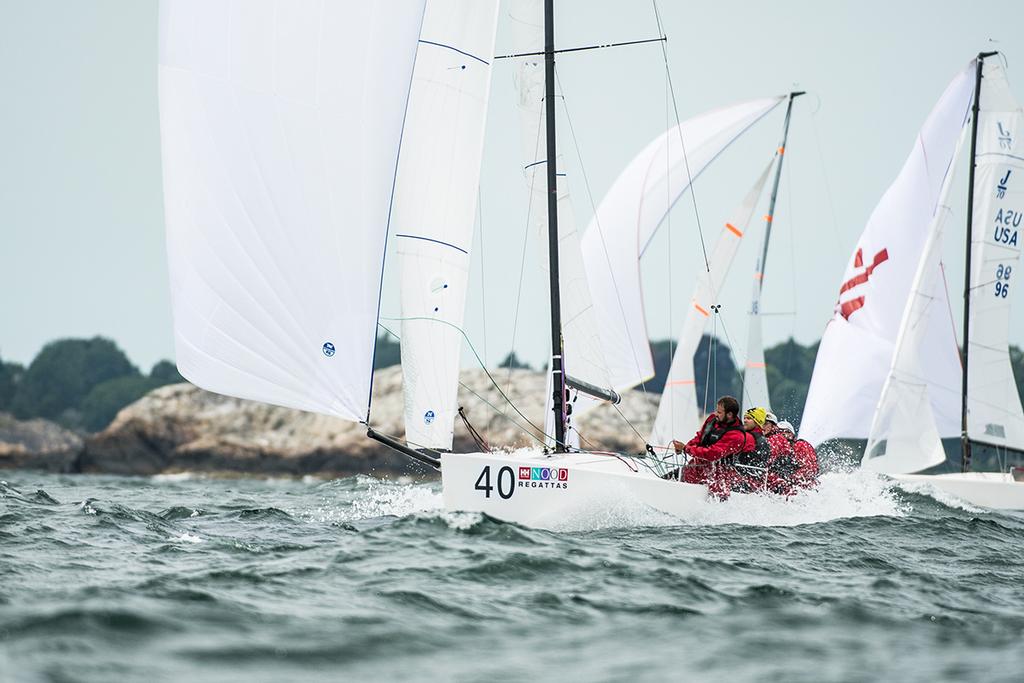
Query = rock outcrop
x=37 y=444
x=178 y=428
x=183 y=428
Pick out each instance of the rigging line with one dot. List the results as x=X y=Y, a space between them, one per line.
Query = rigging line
x=384 y=250
x=602 y=46
x=522 y=263
x=483 y=279
x=837 y=242
x=600 y=231
x=736 y=369
x=682 y=144
x=668 y=221
x=478 y=360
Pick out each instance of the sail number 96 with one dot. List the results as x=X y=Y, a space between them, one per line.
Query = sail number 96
x=1002 y=284
x=506 y=482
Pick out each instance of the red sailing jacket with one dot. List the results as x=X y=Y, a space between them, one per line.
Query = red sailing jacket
x=803 y=453
x=725 y=440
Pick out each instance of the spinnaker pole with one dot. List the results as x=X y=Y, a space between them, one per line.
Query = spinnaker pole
x=965 y=442
x=557 y=376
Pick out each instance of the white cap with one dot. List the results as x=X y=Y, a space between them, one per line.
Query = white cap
x=786 y=427
x=770 y=417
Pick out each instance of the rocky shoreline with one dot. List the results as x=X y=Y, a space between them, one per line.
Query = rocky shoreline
x=181 y=428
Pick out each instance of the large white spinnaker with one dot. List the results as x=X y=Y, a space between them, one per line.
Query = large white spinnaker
x=857 y=346
x=680 y=412
x=904 y=434
x=280 y=129
x=628 y=217
x=583 y=357
x=435 y=204
x=994 y=414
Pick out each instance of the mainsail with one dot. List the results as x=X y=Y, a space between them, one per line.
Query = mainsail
x=280 y=128
x=994 y=414
x=679 y=411
x=857 y=347
x=581 y=344
x=434 y=207
x=628 y=217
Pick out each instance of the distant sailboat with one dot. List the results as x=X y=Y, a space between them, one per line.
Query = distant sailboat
x=928 y=378
x=295 y=137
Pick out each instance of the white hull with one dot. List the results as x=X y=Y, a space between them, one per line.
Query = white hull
x=994 y=490
x=550 y=491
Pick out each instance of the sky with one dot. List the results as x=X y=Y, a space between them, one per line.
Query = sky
x=81 y=216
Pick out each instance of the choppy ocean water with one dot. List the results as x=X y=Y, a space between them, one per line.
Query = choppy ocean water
x=189 y=579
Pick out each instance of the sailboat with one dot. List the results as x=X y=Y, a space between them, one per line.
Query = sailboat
x=297 y=139
x=930 y=389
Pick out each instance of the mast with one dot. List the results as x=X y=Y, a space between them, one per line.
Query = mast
x=756 y=302
x=775 y=193
x=557 y=376
x=965 y=442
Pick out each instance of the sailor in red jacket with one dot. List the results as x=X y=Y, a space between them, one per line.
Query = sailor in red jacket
x=806 y=475
x=711 y=450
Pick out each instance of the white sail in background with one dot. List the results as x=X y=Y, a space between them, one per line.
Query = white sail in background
x=857 y=346
x=435 y=205
x=994 y=414
x=280 y=128
x=755 y=373
x=582 y=352
x=628 y=217
x=679 y=412
x=904 y=435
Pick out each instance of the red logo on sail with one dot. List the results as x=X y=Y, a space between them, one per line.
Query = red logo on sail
x=848 y=308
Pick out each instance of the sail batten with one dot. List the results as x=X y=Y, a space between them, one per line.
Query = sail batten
x=435 y=204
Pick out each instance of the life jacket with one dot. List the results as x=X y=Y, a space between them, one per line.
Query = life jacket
x=758 y=456
x=715 y=430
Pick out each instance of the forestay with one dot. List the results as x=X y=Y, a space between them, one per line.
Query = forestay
x=280 y=125
x=581 y=344
x=679 y=412
x=629 y=215
x=435 y=204
x=857 y=346
x=994 y=408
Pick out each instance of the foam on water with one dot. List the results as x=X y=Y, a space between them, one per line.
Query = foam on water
x=839 y=495
x=947 y=499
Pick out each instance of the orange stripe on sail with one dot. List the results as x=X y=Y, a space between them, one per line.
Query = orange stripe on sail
x=758 y=276
x=782 y=150
x=676 y=382
x=734 y=230
x=757 y=365
x=698 y=307
x=768 y=217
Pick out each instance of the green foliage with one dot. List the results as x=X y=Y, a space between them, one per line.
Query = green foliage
x=389 y=352
x=512 y=361
x=790 y=365
x=713 y=381
x=106 y=399
x=63 y=373
x=10 y=376
x=165 y=372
